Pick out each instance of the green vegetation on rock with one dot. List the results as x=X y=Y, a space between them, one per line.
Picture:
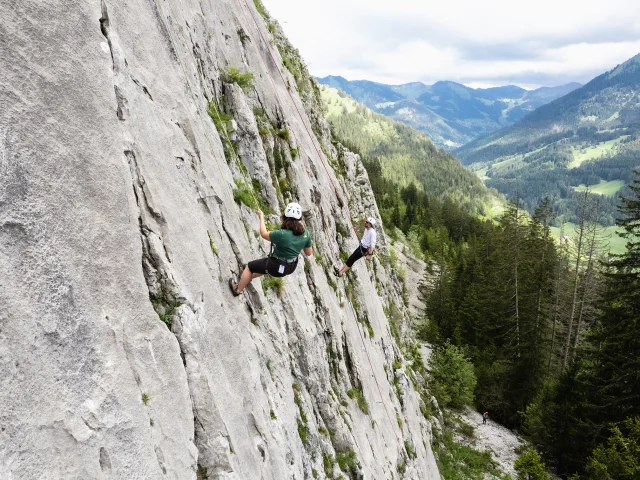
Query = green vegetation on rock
x=273 y=283
x=530 y=466
x=457 y=461
x=244 y=80
x=357 y=395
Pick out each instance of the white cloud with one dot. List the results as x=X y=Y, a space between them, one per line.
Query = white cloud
x=493 y=42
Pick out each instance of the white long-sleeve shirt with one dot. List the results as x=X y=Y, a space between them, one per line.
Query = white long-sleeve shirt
x=368 y=239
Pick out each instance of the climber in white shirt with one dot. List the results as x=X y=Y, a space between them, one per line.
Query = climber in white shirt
x=365 y=249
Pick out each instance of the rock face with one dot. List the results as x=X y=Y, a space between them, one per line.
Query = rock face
x=127 y=149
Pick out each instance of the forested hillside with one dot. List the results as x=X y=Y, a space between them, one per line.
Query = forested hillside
x=542 y=333
x=406 y=156
x=551 y=328
x=449 y=113
x=588 y=138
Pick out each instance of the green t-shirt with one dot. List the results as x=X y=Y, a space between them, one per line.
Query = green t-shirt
x=287 y=245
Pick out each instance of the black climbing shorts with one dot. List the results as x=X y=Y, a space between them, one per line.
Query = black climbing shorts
x=272 y=266
x=357 y=254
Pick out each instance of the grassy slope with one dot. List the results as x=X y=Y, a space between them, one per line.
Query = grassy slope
x=603 y=188
x=616 y=244
x=406 y=156
x=606 y=104
x=594 y=152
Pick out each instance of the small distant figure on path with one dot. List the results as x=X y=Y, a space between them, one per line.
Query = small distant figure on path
x=485 y=415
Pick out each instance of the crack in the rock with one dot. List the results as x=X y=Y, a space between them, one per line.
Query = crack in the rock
x=117 y=63
x=348 y=363
x=140 y=189
x=144 y=89
x=155 y=258
x=104 y=27
x=234 y=245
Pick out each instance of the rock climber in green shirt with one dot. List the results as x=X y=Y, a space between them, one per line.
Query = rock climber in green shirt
x=287 y=244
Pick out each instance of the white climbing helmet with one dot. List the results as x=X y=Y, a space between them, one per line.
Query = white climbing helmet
x=372 y=221
x=293 y=210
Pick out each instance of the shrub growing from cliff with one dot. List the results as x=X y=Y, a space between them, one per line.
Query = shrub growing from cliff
x=261 y=10
x=273 y=283
x=221 y=121
x=348 y=463
x=245 y=194
x=457 y=461
x=283 y=133
x=355 y=394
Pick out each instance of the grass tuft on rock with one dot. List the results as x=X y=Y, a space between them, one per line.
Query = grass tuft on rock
x=244 y=80
x=355 y=394
x=244 y=194
x=273 y=283
x=212 y=244
x=348 y=463
x=456 y=460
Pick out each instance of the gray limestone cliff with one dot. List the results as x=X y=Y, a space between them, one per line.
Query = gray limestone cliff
x=134 y=138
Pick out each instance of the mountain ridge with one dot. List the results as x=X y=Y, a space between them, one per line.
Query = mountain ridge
x=450 y=113
x=405 y=155
x=589 y=137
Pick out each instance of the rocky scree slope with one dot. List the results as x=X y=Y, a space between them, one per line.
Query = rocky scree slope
x=118 y=220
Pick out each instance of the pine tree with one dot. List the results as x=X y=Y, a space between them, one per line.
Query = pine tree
x=620 y=458
x=616 y=335
x=590 y=278
x=513 y=230
x=540 y=262
x=582 y=230
x=560 y=291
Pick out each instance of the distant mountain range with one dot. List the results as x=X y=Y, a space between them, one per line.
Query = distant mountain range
x=449 y=113
x=589 y=137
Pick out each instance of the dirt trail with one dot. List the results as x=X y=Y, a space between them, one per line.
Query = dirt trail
x=494 y=437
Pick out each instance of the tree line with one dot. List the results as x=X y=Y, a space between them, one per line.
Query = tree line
x=552 y=326
x=548 y=173
x=406 y=157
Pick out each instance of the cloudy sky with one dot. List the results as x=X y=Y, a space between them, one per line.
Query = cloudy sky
x=476 y=42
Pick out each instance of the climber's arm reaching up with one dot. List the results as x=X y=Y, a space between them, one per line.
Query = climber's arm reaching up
x=263 y=229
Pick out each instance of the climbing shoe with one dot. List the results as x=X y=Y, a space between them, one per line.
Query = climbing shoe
x=233 y=286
